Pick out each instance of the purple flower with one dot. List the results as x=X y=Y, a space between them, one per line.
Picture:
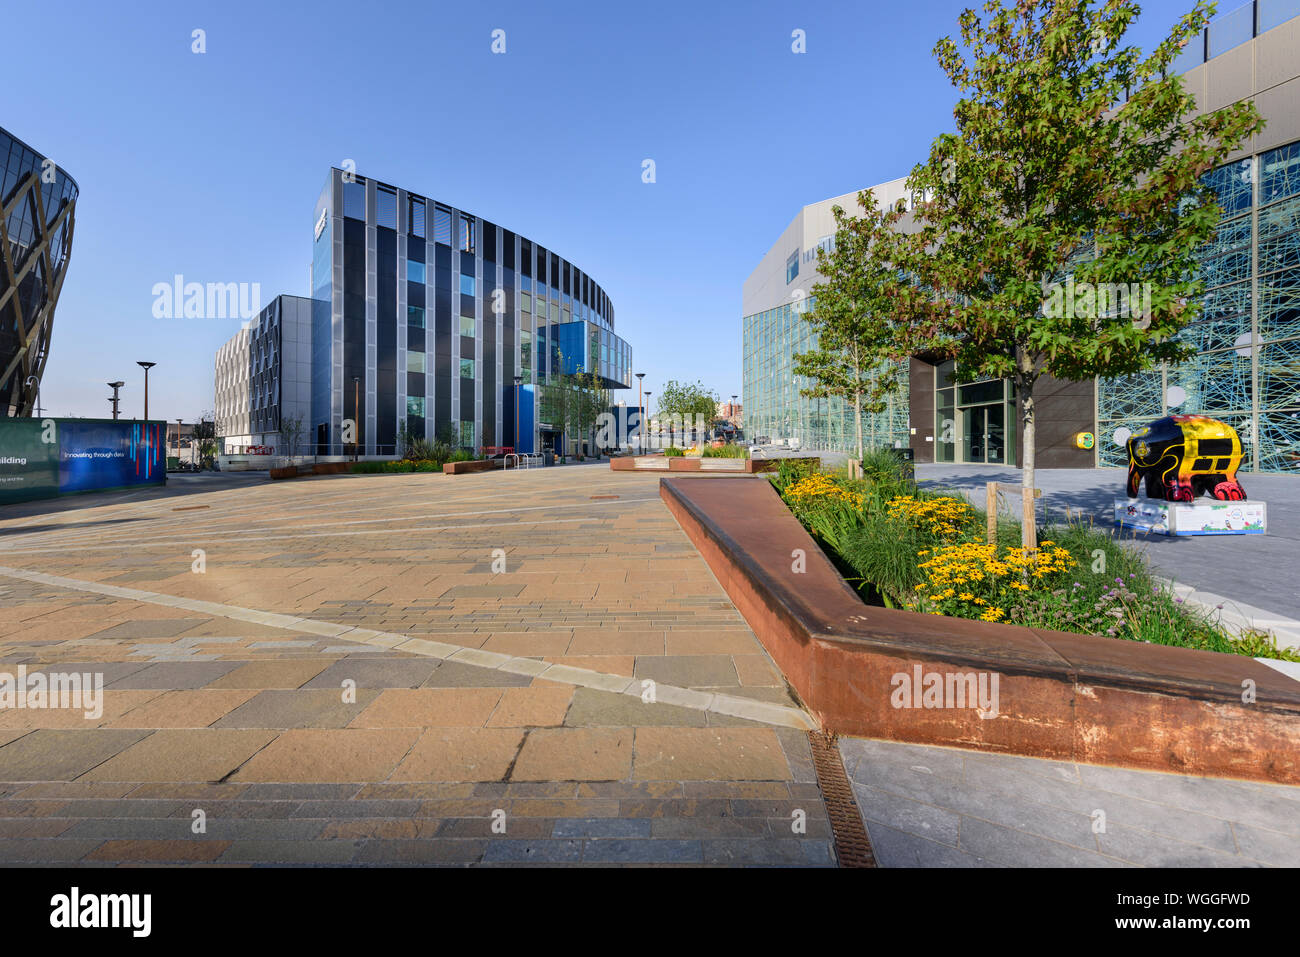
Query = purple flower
x=1178 y=600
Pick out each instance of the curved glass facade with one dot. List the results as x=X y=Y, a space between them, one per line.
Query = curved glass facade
x=37 y=200
x=425 y=313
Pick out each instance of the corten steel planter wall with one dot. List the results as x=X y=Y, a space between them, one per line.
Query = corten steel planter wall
x=478 y=465
x=1063 y=696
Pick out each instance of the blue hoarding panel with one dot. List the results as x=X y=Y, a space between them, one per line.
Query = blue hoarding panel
x=106 y=454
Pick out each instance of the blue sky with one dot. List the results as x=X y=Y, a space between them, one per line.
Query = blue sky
x=209 y=165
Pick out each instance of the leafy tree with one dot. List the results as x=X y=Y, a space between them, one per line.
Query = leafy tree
x=291 y=431
x=204 y=438
x=1074 y=156
x=688 y=401
x=852 y=316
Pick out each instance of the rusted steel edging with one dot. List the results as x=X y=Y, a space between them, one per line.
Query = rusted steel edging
x=1065 y=696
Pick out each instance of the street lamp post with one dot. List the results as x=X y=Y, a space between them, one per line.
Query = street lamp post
x=115 y=386
x=733 y=417
x=647 y=399
x=519 y=380
x=146 y=366
x=640 y=410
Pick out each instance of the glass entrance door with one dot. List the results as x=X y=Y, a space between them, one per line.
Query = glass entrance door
x=984 y=433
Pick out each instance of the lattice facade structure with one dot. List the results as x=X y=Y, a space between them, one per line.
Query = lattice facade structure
x=1246 y=370
x=37 y=200
x=775 y=405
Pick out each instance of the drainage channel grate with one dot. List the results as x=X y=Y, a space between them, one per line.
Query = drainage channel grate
x=852 y=846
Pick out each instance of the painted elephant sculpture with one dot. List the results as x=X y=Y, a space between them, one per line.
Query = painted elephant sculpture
x=1184 y=456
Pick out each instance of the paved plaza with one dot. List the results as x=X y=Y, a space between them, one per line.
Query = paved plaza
x=502 y=668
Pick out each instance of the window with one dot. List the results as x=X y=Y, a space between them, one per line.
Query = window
x=354 y=200
x=467 y=434
x=415 y=362
x=467 y=325
x=415 y=270
x=466 y=285
x=415 y=220
x=386 y=207
x=415 y=405
x=466 y=233
x=442 y=225
x=792 y=267
x=525 y=302
x=415 y=317
x=467 y=368
x=526 y=349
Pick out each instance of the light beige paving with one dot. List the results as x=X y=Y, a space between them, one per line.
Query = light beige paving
x=351 y=681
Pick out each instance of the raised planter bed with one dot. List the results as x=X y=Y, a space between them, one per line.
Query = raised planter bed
x=683 y=463
x=476 y=465
x=331 y=468
x=1063 y=696
x=285 y=472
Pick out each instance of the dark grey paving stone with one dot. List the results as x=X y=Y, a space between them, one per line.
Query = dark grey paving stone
x=508 y=851
x=1011 y=788
x=406 y=851
x=894 y=848
x=620 y=851
x=376 y=808
x=741 y=851
x=57 y=755
x=46 y=850
x=1055 y=770
x=1271 y=847
x=292 y=852
x=688 y=671
x=1021 y=849
x=301 y=792
x=175 y=675
x=297 y=709
x=1156 y=850
x=122 y=807
x=593 y=708
x=376 y=673
x=905 y=814
x=110 y=670
x=867 y=752
x=482 y=591
x=149 y=628
x=178 y=828
x=454 y=674
x=702 y=827
x=601 y=827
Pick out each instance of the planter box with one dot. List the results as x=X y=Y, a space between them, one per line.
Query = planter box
x=477 y=465
x=331 y=468
x=288 y=471
x=684 y=463
x=1069 y=697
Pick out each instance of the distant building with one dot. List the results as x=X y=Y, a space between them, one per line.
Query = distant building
x=263 y=379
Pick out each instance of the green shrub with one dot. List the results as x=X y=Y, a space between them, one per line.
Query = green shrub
x=728 y=451
x=461 y=455
x=673 y=451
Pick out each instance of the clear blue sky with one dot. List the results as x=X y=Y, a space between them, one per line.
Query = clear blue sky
x=209 y=165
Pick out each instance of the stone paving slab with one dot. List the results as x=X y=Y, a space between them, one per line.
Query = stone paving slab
x=943 y=807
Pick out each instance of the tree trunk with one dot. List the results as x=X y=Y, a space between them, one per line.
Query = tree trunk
x=857 y=408
x=1025 y=386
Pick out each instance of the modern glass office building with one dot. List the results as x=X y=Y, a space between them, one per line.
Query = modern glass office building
x=37 y=202
x=776 y=298
x=1247 y=367
x=423 y=314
